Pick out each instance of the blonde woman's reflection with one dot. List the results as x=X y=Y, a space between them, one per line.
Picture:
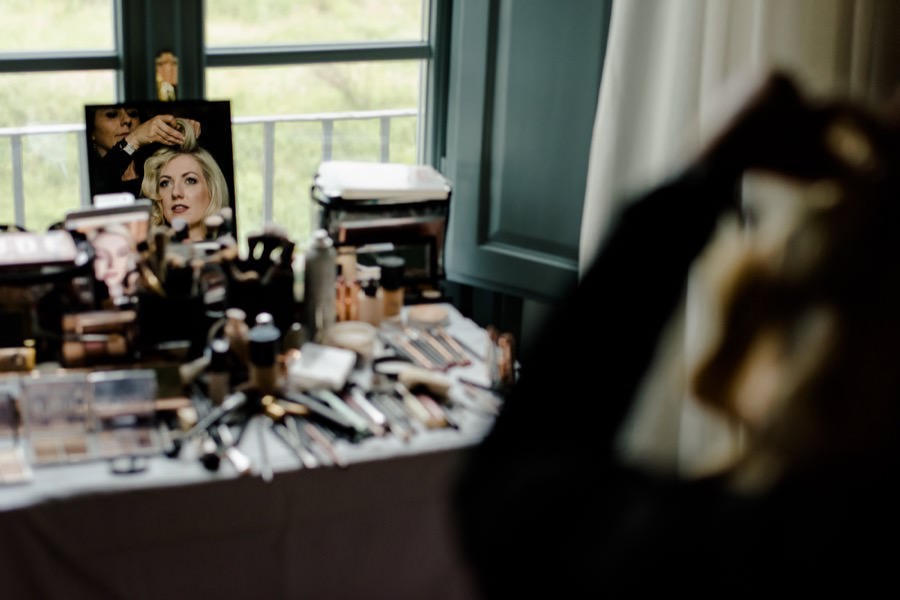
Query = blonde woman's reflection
x=120 y=142
x=166 y=76
x=185 y=182
x=114 y=260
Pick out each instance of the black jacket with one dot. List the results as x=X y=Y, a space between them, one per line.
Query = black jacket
x=546 y=507
x=106 y=171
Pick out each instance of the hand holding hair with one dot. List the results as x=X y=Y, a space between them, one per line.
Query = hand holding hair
x=766 y=123
x=161 y=129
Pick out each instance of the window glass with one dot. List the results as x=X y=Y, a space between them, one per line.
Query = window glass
x=315 y=110
x=243 y=23
x=26 y=25
x=42 y=117
x=50 y=177
x=54 y=97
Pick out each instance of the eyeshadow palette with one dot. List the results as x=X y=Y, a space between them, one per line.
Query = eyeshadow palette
x=123 y=417
x=55 y=413
x=14 y=467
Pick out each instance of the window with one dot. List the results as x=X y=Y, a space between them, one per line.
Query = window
x=338 y=110
x=55 y=57
x=56 y=25
x=311 y=82
x=237 y=23
x=307 y=81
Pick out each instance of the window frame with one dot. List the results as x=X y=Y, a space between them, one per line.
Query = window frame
x=142 y=28
x=145 y=28
x=59 y=60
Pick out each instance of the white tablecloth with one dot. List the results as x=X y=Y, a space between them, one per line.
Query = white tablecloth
x=381 y=527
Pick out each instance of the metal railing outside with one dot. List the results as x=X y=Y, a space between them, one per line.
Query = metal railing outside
x=16 y=136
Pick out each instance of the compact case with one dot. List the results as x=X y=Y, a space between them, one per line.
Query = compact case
x=387 y=208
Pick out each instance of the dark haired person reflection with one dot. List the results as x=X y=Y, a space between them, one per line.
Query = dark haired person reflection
x=801 y=357
x=121 y=141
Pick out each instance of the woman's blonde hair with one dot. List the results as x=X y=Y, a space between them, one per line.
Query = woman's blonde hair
x=816 y=313
x=119 y=229
x=215 y=179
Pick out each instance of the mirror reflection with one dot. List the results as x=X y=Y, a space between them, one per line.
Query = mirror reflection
x=177 y=154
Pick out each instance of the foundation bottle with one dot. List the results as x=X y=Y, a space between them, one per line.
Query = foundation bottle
x=346 y=297
x=236 y=330
x=265 y=340
x=346 y=260
x=348 y=310
x=392 y=286
x=217 y=373
x=340 y=292
x=370 y=302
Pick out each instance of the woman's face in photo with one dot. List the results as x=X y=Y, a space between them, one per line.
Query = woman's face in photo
x=111 y=125
x=111 y=262
x=183 y=190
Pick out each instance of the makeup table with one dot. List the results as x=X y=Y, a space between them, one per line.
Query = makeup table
x=379 y=527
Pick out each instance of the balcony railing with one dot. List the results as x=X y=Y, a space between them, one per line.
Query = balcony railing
x=327 y=121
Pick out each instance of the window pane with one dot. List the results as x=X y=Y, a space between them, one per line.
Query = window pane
x=327 y=87
x=50 y=177
x=26 y=25
x=354 y=111
x=41 y=125
x=57 y=97
x=243 y=23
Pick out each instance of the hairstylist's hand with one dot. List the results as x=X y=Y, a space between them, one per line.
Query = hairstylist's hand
x=195 y=125
x=766 y=124
x=160 y=129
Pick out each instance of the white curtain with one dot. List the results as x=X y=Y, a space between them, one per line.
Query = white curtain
x=666 y=61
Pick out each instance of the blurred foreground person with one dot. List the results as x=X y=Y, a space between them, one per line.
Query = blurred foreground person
x=801 y=356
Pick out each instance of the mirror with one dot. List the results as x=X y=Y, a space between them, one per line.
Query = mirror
x=115 y=233
x=115 y=165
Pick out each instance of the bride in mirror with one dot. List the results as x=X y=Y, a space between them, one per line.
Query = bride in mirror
x=185 y=181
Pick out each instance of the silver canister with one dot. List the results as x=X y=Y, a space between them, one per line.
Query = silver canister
x=319 y=284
